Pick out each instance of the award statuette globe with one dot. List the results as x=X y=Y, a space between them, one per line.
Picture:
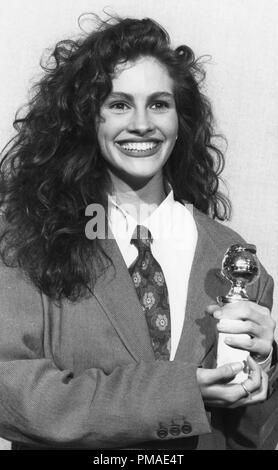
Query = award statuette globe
x=241 y=267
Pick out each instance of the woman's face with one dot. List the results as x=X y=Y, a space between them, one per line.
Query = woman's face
x=138 y=122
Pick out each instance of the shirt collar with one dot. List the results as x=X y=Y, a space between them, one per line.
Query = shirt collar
x=123 y=223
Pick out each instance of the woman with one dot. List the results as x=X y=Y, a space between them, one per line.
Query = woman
x=109 y=341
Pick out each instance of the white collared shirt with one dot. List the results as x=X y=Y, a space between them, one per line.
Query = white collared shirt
x=175 y=236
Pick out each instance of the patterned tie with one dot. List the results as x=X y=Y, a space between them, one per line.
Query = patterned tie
x=152 y=292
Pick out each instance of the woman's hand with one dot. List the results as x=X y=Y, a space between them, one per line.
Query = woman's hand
x=217 y=392
x=246 y=317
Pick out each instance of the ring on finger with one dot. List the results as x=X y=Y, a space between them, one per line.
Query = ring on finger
x=247 y=393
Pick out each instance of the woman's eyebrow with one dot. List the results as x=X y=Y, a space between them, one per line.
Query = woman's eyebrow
x=161 y=94
x=129 y=97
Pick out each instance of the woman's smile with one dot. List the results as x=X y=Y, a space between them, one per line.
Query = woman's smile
x=139 y=148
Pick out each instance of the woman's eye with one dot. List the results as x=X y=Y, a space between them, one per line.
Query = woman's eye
x=160 y=105
x=119 y=106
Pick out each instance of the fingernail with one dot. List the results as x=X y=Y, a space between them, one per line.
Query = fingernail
x=228 y=340
x=246 y=368
x=237 y=367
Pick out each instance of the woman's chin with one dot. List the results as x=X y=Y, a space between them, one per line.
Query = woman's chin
x=134 y=179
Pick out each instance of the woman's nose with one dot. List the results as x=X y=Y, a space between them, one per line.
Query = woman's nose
x=140 y=122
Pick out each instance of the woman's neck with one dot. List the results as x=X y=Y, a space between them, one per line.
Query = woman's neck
x=133 y=198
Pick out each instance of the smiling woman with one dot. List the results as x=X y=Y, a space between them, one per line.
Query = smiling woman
x=110 y=341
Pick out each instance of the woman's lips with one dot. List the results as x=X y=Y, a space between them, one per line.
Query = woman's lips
x=139 y=149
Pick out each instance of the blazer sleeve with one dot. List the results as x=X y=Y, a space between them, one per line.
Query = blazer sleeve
x=256 y=426
x=41 y=405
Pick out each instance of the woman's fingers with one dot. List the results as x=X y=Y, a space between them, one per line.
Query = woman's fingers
x=217 y=391
x=213 y=308
x=257 y=346
x=250 y=321
x=253 y=382
x=255 y=397
x=238 y=326
x=221 y=374
x=243 y=310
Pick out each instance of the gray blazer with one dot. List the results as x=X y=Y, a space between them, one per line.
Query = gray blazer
x=83 y=375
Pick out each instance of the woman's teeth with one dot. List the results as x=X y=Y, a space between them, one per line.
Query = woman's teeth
x=139 y=146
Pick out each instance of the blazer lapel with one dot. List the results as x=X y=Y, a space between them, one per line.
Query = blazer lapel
x=115 y=292
x=205 y=283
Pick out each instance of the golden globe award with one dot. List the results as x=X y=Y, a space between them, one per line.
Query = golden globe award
x=241 y=267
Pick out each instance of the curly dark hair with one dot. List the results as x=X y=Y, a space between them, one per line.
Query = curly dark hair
x=52 y=169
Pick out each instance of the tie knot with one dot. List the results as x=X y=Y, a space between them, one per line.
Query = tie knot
x=141 y=238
